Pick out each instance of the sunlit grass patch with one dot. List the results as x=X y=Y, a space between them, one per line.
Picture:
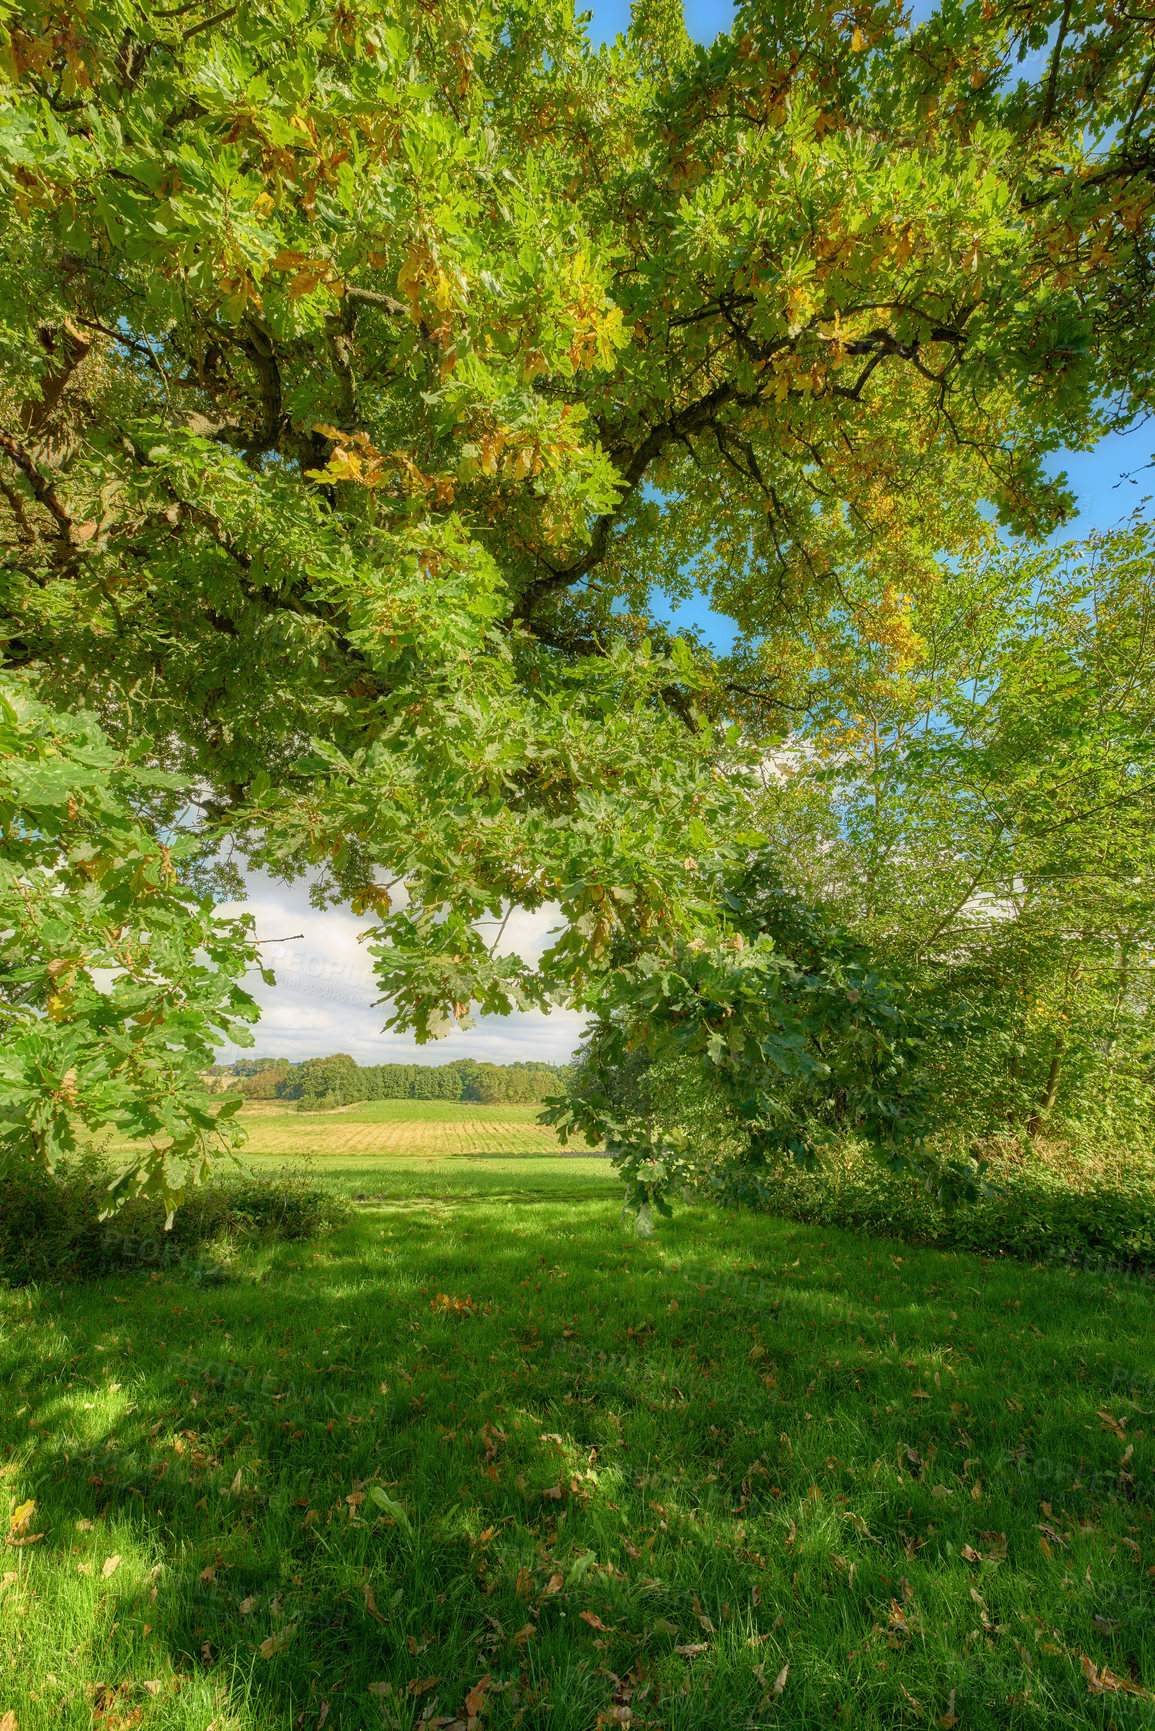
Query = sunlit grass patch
x=744 y=1473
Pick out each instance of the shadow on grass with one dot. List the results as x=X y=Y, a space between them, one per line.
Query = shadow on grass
x=630 y=1475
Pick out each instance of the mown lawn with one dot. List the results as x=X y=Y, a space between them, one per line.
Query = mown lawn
x=484 y=1457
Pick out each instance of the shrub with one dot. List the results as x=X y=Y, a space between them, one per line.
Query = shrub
x=1042 y=1215
x=50 y=1225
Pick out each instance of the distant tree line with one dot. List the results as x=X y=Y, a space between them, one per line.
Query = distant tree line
x=322 y=1083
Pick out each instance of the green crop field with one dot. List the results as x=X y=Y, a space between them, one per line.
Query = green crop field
x=434 y=1128
x=484 y=1456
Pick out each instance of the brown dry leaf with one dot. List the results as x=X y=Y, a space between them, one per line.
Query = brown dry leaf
x=420 y=1685
x=553 y=1585
x=555 y=1491
x=8 y=1720
x=1105 y=1682
x=1045 y=1548
x=152 y=1686
x=524 y=1583
x=917 y=1705
x=1112 y=1424
x=247 y=1605
x=235 y=1487
x=523 y=1634
x=594 y=1622
x=950 y=1718
x=208 y=1575
x=631 y=1550
x=110 y=1566
x=969 y=1555
x=691 y=1648
x=278 y=1642
x=475 y=1700
x=10 y=1580
x=780 y=1680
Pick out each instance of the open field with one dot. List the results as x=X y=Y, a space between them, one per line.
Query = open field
x=484 y=1455
x=434 y=1128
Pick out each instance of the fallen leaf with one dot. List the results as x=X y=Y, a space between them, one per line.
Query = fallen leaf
x=1105 y=1682
x=420 y=1685
x=236 y=1486
x=247 y=1605
x=917 y=1705
x=380 y=1688
x=151 y=1686
x=208 y=1575
x=555 y=1491
x=394 y=1510
x=970 y=1555
x=1112 y=1424
x=523 y=1634
x=594 y=1622
x=8 y=1721
x=688 y=1651
x=110 y=1566
x=278 y=1642
x=21 y=1516
x=553 y=1585
x=780 y=1680
x=475 y=1700
x=950 y=1718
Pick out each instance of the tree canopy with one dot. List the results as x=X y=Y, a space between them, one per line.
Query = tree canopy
x=374 y=377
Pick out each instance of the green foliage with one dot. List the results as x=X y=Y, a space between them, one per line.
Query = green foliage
x=972 y=790
x=1092 y=1220
x=373 y=375
x=116 y=980
x=56 y=1226
x=320 y=1084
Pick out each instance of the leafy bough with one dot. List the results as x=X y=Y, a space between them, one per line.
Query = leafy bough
x=116 y=979
x=788 y=1038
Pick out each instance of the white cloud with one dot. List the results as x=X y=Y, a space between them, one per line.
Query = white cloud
x=323 y=1000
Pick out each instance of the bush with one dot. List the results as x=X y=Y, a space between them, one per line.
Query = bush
x=50 y=1226
x=1099 y=1220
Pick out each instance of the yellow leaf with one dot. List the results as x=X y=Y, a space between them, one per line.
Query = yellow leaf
x=22 y=1516
x=858 y=40
x=110 y=1566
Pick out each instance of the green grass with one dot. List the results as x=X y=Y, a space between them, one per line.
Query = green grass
x=771 y=1446
x=440 y=1112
